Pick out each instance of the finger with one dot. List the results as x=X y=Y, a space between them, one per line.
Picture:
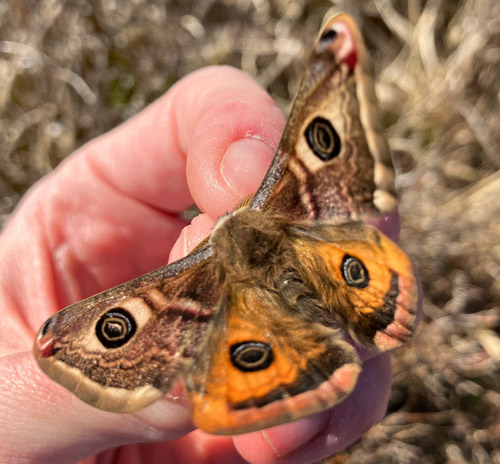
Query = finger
x=388 y=224
x=205 y=116
x=105 y=213
x=218 y=118
x=223 y=169
x=191 y=235
x=326 y=433
x=197 y=447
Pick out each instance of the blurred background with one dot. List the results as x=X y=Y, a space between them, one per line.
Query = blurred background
x=71 y=70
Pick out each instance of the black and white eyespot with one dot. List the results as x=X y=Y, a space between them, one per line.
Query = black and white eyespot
x=115 y=328
x=326 y=39
x=323 y=139
x=328 y=36
x=354 y=272
x=46 y=326
x=251 y=356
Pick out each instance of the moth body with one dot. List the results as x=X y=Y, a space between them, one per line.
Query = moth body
x=250 y=245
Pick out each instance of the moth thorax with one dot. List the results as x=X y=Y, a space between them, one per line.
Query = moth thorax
x=249 y=240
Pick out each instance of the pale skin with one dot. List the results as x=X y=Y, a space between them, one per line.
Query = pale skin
x=110 y=213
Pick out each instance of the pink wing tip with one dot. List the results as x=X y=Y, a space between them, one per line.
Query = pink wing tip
x=343 y=43
x=45 y=346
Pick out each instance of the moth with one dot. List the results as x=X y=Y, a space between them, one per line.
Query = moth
x=258 y=321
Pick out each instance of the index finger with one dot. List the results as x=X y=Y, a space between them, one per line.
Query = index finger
x=196 y=126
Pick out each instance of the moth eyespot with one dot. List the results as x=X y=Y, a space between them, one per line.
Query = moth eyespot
x=115 y=328
x=46 y=326
x=354 y=272
x=323 y=139
x=251 y=356
x=328 y=36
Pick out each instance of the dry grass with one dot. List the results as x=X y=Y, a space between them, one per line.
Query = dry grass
x=72 y=70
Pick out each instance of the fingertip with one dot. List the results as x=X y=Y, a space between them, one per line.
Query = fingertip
x=171 y=152
x=244 y=164
x=233 y=141
x=389 y=224
x=191 y=236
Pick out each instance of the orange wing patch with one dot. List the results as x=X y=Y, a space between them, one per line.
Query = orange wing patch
x=371 y=286
x=262 y=368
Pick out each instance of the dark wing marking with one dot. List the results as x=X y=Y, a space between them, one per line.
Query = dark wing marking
x=333 y=159
x=123 y=348
x=261 y=366
x=366 y=282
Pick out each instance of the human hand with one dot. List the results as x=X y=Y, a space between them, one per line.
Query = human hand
x=110 y=213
